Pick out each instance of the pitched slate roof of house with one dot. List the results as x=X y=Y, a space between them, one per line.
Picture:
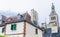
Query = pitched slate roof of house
x=26 y=18
x=15 y=18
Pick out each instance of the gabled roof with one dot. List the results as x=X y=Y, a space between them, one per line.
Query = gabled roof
x=15 y=18
x=27 y=16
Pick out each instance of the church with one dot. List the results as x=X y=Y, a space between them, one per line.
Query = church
x=21 y=25
x=52 y=29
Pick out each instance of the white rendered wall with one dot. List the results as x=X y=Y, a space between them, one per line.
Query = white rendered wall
x=40 y=33
x=15 y=35
x=54 y=29
x=30 y=30
x=19 y=29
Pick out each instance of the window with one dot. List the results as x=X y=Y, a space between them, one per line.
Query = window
x=10 y=19
x=2 y=30
x=53 y=18
x=13 y=27
x=20 y=16
x=36 y=31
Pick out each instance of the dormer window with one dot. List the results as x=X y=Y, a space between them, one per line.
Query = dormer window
x=20 y=16
x=53 y=18
x=10 y=19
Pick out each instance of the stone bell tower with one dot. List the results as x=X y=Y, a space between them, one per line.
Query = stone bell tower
x=34 y=16
x=54 y=22
x=53 y=17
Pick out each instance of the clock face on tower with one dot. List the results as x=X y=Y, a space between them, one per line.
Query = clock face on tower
x=53 y=17
x=54 y=24
x=53 y=21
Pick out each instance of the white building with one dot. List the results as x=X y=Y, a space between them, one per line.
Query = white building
x=2 y=30
x=2 y=25
x=23 y=27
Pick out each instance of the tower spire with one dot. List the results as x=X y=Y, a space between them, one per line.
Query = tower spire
x=53 y=12
x=53 y=16
x=53 y=7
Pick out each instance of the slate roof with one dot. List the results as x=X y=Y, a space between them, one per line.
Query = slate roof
x=53 y=13
x=15 y=18
x=26 y=18
x=53 y=10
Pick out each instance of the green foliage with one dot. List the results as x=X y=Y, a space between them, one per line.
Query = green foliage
x=2 y=36
x=36 y=35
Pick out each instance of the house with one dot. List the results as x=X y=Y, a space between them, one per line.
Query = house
x=2 y=24
x=1 y=30
x=21 y=26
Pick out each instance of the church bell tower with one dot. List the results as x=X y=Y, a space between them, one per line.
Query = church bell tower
x=53 y=17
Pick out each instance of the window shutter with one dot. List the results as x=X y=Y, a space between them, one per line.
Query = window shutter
x=14 y=26
x=11 y=27
x=2 y=30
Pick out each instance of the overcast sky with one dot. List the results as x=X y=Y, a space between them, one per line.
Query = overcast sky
x=43 y=7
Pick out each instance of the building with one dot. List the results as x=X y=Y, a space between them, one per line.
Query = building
x=34 y=16
x=20 y=26
x=52 y=29
x=1 y=30
x=2 y=24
